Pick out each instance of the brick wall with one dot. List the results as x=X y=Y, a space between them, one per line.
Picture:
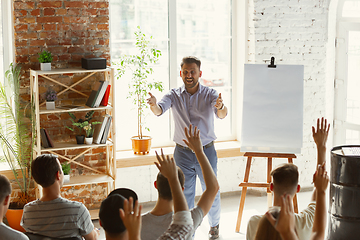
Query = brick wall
x=295 y=32
x=70 y=30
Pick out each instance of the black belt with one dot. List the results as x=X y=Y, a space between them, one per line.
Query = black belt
x=210 y=144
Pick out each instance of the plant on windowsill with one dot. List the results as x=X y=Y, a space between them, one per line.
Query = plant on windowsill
x=50 y=97
x=82 y=124
x=140 y=84
x=66 y=167
x=45 y=58
x=17 y=138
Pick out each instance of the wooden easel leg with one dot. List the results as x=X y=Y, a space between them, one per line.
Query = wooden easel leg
x=295 y=197
x=243 y=195
x=269 y=193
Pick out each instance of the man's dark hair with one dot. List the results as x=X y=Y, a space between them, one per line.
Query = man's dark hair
x=5 y=188
x=285 y=179
x=163 y=186
x=44 y=169
x=190 y=60
x=110 y=217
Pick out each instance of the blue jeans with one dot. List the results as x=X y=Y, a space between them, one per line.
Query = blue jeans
x=188 y=163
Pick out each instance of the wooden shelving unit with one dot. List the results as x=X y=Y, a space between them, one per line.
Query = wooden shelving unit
x=109 y=175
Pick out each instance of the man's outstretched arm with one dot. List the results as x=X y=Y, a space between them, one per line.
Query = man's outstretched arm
x=212 y=186
x=154 y=107
x=221 y=108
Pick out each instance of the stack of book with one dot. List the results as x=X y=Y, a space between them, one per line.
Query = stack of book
x=99 y=94
x=101 y=132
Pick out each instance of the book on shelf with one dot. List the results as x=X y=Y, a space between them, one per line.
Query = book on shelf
x=99 y=130
x=44 y=141
x=50 y=141
x=94 y=93
x=70 y=106
x=105 y=100
x=106 y=131
x=101 y=94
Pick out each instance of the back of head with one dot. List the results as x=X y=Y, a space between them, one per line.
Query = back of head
x=110 y=217
x=44 y=169
x=190 y=60
x=266 y=231
x=5 y=188
x=285 y=179
x=163 y=186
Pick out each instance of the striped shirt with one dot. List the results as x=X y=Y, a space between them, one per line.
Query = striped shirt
x=58 y=218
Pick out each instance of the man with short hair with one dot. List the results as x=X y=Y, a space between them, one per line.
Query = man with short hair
x=155 y=222
x=285 y=181
x=52 y=215
x=194 y=104
x=5 y=231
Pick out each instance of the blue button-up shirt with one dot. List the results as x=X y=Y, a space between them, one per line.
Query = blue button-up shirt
x=197 y=109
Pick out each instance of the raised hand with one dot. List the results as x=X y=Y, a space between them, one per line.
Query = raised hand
x=285 y=224
x=131 y=218
x=152 y=100
x=219 y=102
x=166 y=165
x=193 y=140
x=320 y=178
x=320 y=135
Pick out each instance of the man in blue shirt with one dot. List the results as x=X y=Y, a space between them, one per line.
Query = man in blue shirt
x=194 y=104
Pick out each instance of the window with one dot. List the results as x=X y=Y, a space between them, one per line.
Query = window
x=179 y=28
x=347 y=99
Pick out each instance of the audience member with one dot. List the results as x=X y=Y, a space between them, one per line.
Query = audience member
x=285 y=224
x=126 y=224
x=5 y=231
x=52 y=215
x=155 y=222
x=109 y=217
x=285 y=182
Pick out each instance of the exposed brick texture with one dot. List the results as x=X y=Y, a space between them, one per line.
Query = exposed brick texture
x=70 y=30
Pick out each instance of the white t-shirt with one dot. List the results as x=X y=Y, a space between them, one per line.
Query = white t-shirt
x=303 y=223
x=8 y=233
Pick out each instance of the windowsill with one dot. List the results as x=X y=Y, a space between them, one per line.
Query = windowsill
x=126 y=159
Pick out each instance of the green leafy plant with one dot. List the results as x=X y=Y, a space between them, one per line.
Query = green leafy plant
x=140 y=65
x=45 y=57
x=83 y=124
x=66 y=167
x=17 y=138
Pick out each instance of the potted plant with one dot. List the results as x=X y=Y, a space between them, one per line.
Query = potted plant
x=45 y=58
x=66 y=167
x=89 y=132
x=50 y=97
x=140 y=84
x=81 y=124
x=17 y=140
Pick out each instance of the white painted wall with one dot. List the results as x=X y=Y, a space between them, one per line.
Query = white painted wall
x=294 y=32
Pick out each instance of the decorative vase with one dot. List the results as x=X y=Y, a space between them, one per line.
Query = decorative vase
x=141 y=146
x=80 y=139
x=45 y=66
x=13 y=217
x=89 y=140
x=50 y=105
x=66 y=178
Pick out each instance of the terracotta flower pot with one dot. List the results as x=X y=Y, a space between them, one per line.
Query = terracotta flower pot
x=13 y=217
x=141 y=146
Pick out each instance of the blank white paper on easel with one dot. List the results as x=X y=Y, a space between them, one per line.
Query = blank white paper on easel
x=272 y=120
